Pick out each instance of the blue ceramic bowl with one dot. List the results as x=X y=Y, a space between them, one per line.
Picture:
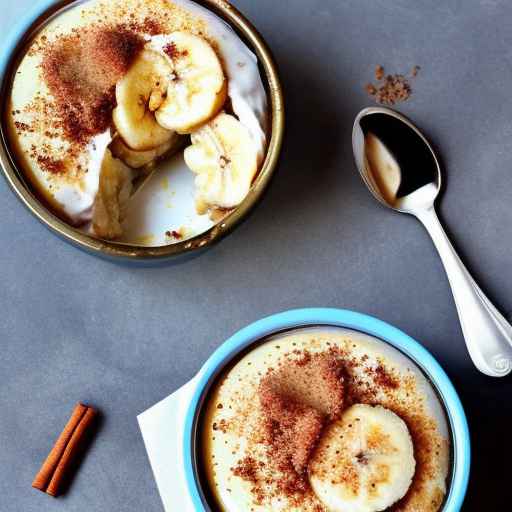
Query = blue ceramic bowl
x=297 y=318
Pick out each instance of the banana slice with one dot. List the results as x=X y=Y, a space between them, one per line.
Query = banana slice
x=114 y=190
x=138 y=159
x=138 y=94
x=197 y=89
x=225 y=159
x=364 y=461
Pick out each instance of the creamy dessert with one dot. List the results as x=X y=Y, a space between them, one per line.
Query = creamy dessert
x=108 y=89
x=324 y=419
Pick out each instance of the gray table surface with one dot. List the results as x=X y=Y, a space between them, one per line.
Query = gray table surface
x=74 y=327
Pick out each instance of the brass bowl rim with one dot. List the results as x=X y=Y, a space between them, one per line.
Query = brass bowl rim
x=16 y=42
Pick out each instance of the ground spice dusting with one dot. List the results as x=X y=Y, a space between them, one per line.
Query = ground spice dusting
x=297 y=400
x=50 y=165
x=148 y=26
x=171 y=50
x=383 y=378
x=390 y=89
x=314 y=380
x=81 y=70
x=249 y=469
x=23 y=127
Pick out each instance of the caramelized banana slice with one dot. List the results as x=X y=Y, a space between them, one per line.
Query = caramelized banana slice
x=197 y=89
x=137 y=159
x=114 y=190
x=138 y=94
x=364 y=462
x=225 y=159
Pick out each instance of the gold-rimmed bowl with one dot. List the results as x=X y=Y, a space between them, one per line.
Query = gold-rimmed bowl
x=10 y=55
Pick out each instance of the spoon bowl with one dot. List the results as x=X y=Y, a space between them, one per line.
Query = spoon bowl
x=401 y=170
x=387 y=146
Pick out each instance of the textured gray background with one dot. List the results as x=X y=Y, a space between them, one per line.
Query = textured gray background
x=74 y=327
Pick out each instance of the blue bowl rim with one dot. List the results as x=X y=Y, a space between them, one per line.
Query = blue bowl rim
x=337 y=318
x=17 y=31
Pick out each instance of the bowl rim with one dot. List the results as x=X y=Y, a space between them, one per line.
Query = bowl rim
x=14 y=42
x=338 y=318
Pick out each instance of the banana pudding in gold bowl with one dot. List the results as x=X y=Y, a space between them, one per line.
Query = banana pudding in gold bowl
x=141 y=128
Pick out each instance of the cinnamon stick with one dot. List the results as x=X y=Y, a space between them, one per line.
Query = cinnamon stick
x=56 y=465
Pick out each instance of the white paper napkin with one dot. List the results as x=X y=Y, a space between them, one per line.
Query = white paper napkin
x=162 y=429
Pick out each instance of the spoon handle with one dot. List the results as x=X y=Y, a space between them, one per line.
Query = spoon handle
x=487 y=333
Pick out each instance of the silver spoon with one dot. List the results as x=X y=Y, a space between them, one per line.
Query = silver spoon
x=402 y=172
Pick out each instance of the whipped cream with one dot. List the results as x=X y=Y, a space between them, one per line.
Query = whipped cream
x=77 y=199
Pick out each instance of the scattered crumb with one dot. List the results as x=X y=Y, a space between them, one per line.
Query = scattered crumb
x=371 y=89
x=50 y=165
x=390 y=89
x=173 y=52
x=174 y=234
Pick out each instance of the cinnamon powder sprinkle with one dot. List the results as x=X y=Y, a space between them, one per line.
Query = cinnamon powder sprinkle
x=250 y=470
x=149 y=26
x=297 y=400
x=383 y=378
x=171 y=50
x=50 y=165
x=81 y=70
x=23 y=127
x=247 y=469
